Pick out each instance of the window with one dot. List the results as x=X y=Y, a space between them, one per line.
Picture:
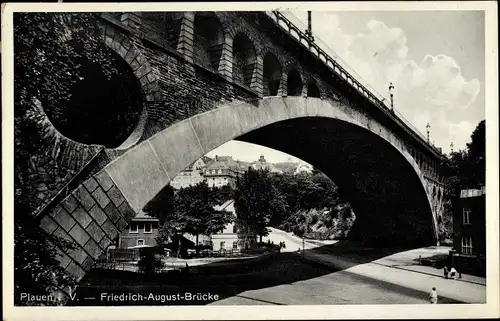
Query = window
x=148 y=227
x=235 y=245
x=466 y=215
x=140 y=242
x=133 y=228
x=466 y=244
x=220 y=171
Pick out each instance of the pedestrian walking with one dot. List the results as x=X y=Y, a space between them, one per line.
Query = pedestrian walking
x=445 y=272
x=433 y=297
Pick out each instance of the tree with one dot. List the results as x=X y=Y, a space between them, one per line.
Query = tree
x=194 y=210
x=257 y=201
x=190 y=210
x=477 y=155
x=47 y=48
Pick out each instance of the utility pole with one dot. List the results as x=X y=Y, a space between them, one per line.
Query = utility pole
x=391 y=92
x=428 y=131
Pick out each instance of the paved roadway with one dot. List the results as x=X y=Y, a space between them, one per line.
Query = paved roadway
x=356 y=284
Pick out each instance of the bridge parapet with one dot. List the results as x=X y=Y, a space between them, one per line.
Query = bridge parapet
x=342 y=69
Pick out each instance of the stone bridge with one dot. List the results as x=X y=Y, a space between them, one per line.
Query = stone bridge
x=196 y=80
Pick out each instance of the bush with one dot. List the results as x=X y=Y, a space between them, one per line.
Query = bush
x=150 y=262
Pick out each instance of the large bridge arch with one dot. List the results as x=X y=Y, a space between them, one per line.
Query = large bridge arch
x=387 y=190
x=164 y=155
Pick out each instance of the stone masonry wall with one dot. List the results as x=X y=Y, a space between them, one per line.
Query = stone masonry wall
x=90 y=217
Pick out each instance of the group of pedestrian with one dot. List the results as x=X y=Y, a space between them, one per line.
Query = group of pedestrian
x=452 y=273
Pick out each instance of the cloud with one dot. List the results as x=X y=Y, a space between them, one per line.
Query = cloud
x=431 y=90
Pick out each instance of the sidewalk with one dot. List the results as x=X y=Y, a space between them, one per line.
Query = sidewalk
x=466 y=292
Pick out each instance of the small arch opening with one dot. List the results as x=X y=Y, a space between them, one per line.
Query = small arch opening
x=294 y=83
x=244 y=59
x=172 y=21
x=208 y=40
x=313 y=90
x=272 y=75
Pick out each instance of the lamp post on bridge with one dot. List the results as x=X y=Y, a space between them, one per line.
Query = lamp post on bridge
x=309 y=27
x=428 y=132
x=391 y=92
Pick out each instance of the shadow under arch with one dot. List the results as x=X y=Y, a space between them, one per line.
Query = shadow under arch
x=371 y=165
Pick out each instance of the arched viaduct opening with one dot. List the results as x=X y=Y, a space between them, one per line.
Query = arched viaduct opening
x=383 y=189
x=381 y=181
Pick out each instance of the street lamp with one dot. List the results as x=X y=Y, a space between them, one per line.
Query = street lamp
x=428 y=131
x=391 y=92
x=451 y=147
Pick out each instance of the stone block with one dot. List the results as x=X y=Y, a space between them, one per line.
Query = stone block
x=104 y=180
x=78 y=254
x=116 y=196
x=76 y=271
x=84 y=197
x=101 y=197
x=104 y=243
x=48 y=224
x=63 y=258
x=127 y=211
x=91 y=184
x=70 y=203
x=82 y=217
x=65 y=220
x=95 y=231
x=110 y=229
x=98 y=214
x=121 y=224
x=93 y=249
x=55 y=211
x=79 y=234
x=59 y=232
x=88 y=263
x=113 y=213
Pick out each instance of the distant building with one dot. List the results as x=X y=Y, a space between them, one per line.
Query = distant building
x=222 y=171
x=142 y=231
x=192 y=175
x=227 y=238
x=469 y=229
x=264 y=165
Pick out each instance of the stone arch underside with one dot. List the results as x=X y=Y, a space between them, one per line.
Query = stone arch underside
x=371 y=166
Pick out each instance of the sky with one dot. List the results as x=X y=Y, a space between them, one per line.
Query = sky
x=435 y=59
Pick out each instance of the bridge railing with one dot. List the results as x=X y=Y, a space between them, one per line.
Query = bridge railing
x=294 y=26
